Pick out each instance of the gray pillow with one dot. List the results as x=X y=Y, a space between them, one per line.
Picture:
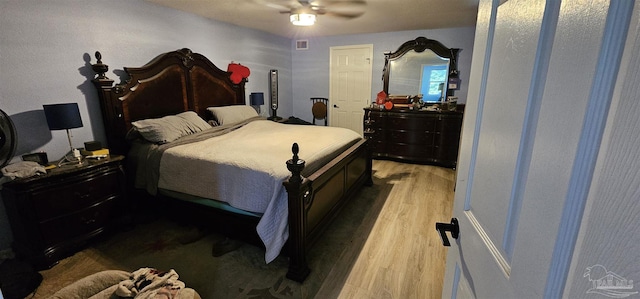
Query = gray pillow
x=169 y=128
x=232 y=114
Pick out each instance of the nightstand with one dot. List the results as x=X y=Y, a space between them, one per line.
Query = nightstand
x=54 y=215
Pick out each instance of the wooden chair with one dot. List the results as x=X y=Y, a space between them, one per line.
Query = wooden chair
x=319 y=109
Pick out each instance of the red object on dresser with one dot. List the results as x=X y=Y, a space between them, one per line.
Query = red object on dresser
x=381 y=98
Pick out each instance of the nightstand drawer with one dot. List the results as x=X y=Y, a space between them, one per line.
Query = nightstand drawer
x=62 y=199
x=77 y=224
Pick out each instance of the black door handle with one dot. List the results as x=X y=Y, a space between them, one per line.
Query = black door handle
x=453 y=227
x=335 y=106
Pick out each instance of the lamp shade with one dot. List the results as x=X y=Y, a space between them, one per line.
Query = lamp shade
x=63 y=116
x=256 y=98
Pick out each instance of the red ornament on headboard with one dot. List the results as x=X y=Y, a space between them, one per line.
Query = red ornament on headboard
x=238 y=72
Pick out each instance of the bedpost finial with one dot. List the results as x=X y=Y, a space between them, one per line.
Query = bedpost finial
x=295 y=165
x=186 y=57
x=100 y=68
x=295 y=150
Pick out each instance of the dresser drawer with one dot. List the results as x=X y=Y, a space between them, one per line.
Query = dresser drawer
x=412 y=123
x=61 y=199
x=376 y=133
x=77 y=224
x=412 y=137
x=410 y=151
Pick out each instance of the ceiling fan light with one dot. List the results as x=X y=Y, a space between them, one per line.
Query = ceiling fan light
x=302 y=19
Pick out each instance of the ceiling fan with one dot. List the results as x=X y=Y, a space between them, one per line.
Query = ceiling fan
x=304 y=12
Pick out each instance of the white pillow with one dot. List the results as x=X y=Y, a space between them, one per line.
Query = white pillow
x=232 y=114
x=169 y=128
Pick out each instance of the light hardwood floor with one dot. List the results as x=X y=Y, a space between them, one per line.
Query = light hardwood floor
x=403 y=256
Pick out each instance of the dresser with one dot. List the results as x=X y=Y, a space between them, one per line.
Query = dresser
x=425 y=137
x=54 y=215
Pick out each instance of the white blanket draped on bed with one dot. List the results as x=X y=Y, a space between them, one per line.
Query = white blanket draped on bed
x=247 y=166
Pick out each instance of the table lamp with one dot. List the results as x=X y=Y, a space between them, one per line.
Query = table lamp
x=64 y=117
x=257 y=100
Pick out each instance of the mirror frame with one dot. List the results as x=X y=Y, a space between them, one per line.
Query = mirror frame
x=420 y=44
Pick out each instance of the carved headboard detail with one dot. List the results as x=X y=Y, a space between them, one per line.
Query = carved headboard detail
x=171 y=83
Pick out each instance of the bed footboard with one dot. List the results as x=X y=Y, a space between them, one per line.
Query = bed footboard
x=314 y=201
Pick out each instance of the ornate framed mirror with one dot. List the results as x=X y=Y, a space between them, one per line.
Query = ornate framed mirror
x=421 y=66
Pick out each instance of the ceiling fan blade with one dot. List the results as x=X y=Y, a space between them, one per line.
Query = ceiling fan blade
x=320 y=10
x=346 y=8
x=281 y=5
x=344 y=2
x=347 y=15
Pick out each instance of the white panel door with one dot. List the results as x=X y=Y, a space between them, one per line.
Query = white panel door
x=541 y=82
x=606 y=263
x=350 y=85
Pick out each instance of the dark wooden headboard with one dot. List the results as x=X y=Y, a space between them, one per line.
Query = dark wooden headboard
x=171 y=83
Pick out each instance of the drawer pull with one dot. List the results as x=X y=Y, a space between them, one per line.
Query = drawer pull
x=83 y=196
x=88 y=221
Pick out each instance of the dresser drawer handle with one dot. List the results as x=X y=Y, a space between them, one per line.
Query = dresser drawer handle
x=88 y=221
x=83 y=196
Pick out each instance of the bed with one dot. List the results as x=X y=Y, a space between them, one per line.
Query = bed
x=306 y=195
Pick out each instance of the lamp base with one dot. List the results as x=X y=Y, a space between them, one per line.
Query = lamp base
x=73 y=157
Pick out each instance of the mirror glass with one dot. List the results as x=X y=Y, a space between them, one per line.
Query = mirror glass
x=416 y=73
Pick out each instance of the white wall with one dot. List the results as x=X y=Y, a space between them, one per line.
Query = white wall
x=47 y=48
x=311 y=67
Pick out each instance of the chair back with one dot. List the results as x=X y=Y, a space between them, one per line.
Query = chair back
x=319 y=109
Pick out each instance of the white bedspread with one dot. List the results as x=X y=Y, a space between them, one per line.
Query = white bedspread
x=246 y=168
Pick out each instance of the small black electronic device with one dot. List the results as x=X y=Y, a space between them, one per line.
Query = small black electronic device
x=41 y=158
x=273 y=94
x=92 y=145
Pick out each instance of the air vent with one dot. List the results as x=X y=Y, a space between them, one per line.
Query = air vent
x=302 y=44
